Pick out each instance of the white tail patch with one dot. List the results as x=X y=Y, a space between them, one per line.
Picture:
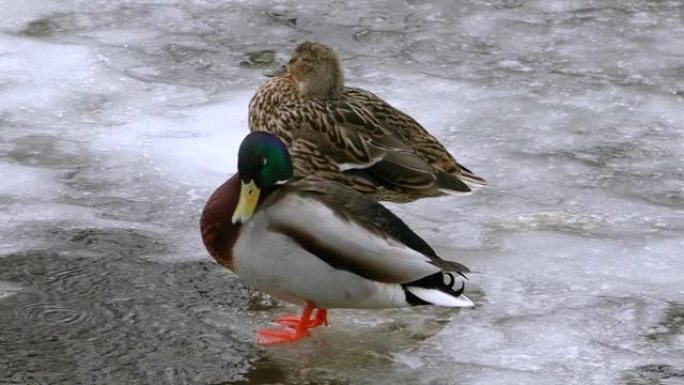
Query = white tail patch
x=472 y=180
x=359 y=166
x=438 y=297
x=454 y=192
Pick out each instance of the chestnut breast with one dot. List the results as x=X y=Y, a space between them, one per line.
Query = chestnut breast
x=218 y=232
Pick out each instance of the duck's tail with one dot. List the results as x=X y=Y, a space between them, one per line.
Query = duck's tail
x=451 y=184
x=436 y=289
x=469 y=177
x=462 y=182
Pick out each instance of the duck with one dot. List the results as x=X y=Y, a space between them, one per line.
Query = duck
x=318 y=244
x=352 y=136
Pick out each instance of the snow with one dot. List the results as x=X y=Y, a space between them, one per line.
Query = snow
x=118 y=119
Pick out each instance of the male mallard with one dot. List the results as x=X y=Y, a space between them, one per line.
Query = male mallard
x=350 y=135
x=318 y=244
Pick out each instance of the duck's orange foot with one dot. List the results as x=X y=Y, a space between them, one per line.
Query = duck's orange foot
x=297 y=326
x=279 y=336
x=288 y=320
x=293 y=320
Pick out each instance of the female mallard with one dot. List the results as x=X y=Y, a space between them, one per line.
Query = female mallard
x=350 y=135
x=318 y=243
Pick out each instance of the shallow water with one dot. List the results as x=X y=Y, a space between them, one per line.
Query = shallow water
x=118 y=119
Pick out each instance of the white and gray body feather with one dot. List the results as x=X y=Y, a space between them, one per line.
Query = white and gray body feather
x=297 y=248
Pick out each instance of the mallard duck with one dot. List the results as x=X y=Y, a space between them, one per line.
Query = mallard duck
x=350 y=135
x=318 y=244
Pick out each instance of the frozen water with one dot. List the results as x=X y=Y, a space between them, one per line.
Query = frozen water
x=118 y=119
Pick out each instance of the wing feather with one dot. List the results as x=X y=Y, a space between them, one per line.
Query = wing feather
x=354 y=233
x=345 y=244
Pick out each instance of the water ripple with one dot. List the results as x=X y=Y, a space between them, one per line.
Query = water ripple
x=55 y=314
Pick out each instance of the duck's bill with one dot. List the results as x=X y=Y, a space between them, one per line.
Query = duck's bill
x=249 y=197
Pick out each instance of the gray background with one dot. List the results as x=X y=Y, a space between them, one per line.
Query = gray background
x=118 y=119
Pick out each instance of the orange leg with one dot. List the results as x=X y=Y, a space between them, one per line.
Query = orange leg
x=292 y=320
x=301 y=329
x=321 y=318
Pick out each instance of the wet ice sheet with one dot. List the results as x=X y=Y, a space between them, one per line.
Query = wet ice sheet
x=118 y=119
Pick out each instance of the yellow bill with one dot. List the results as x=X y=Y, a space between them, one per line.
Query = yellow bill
x=249 y=197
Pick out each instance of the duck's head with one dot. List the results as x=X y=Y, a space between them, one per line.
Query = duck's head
x=317 y=70
x=263 y=162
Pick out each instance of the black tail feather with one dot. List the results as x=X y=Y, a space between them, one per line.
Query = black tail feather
x=434 y=281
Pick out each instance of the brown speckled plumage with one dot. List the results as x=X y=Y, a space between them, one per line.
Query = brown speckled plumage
x=350 y=135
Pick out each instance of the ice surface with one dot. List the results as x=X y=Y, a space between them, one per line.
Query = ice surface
x=118 y=119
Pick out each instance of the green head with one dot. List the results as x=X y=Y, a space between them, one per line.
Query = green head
x=263 y=161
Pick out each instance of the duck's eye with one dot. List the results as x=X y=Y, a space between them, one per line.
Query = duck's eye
x=291 y=61
x=264 y=161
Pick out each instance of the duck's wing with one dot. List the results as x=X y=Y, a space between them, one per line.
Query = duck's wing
x=357 y=144
x=353 y=233
x=309 y=161
x=426 y=145
x=349 y=130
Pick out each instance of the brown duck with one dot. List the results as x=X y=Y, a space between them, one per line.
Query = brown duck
x=350 y=135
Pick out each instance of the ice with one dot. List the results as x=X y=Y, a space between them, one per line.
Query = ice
x=118 y=119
